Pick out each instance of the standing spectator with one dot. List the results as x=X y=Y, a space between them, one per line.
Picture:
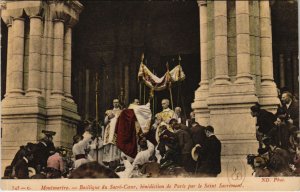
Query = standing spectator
x=178 y=116
x=292 y=108
x=185 y=144
x=210 y=154
x=192 y=120
x=42 y=150
x=285 y=129
x=197 y=133
x=264 y=123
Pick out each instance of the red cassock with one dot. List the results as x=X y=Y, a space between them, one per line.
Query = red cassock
x=126 y=134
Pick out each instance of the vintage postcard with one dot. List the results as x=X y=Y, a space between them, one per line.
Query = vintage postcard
x=150 y=95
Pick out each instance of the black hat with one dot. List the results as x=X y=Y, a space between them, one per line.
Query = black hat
x=255 y=108
x=48 y=133
x=209 y=128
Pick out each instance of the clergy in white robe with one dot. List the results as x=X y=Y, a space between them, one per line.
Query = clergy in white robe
x=79 y=149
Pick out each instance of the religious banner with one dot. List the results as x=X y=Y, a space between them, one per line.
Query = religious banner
x=158 y=84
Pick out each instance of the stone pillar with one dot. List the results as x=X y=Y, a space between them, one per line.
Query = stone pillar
x=48 y=39
x=243 y=42
x=67 y=63
x=268 y=95
x=203 y=44
x=281 y=70
x=200 y=104
x=62 y=116
x=24 y=117
x=35 y=41
x=9 y=66
x=58 y=58
x=18 y=57
x=228 y=104
x=221 y=52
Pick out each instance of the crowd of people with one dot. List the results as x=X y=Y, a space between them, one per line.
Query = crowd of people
x=129 y=144
x=278 y=137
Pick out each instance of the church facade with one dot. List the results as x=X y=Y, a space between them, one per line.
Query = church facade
x=51 y=57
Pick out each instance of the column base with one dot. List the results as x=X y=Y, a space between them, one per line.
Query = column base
x=268 y=96
x=15 y=93
x=33 y=92
x=221 y=82
x=244 y=80
x=69 y=98
x=57 y=94
x=229 y=109
x=63 y=119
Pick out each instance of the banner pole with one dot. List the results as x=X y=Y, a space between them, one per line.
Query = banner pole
x=153 y=104
x=169 y=85
x=171 y=97
x=140 y=92
x=97 y=117
x=144 y=94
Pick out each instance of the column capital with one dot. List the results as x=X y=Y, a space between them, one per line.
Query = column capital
x=35 y=10
x=17 y=9
x=202 y=2
x=7 y=20
x=66 y=10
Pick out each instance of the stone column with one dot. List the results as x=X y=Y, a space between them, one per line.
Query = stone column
x=9 y=68
x=18 y=57
x=243 y=42
x=266 y=42
x=268 y=96
x=221 y=52
x=58 y=58
x=203 y=44
x=281 y=70
x=200 y=104
x=35 y=41
x=67 y=62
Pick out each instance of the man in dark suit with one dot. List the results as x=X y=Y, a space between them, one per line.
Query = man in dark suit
x=21 y=167
x=42 y=151
x=265 y=123
x=197 y=133
x=210 y=154
x=21 y=153
x=292 y=108
x=185 y=144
